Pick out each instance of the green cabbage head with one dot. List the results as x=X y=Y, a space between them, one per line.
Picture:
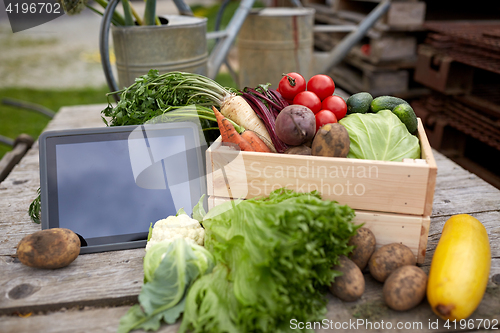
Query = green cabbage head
x=380 y=136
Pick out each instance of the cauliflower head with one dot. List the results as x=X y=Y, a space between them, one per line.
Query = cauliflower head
x=181 y=226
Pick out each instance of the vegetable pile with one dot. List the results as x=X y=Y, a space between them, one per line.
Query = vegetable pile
x=274 y=258
x=265 y=261
x=284 y=120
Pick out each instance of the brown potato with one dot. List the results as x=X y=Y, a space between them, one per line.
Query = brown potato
x=388 y=258
x=351 y=285
x=364 y=242
x=299 y=150
x=405 y=288
x=50 y=248
x=331 y=140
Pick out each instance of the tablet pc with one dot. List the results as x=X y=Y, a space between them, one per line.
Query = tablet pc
x=109 y=184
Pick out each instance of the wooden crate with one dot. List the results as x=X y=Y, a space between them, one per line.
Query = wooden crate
x=401 y=14
x=375 y=80
x=394 y=199
x=441 y=72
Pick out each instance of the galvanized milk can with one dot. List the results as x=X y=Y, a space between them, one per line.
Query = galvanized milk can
x=273 y=41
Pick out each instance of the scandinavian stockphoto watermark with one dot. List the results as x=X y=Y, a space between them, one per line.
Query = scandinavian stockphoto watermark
x=331 y=180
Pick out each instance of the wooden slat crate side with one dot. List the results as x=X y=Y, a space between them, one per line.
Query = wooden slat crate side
x=387 y=82
x=424 y=236
x=395 y=228
x=401 y=13
x=426 y=152
x=387 y=228
x=362 y=184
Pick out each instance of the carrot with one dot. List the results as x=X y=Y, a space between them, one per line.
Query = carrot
x=222 y=129
x=256 y=142
x=238 y=110
x=229 y=133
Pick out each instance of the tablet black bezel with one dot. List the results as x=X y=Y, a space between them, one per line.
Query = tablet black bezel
x=48 y=170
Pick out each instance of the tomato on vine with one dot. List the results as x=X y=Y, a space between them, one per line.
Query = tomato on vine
x=291 y=84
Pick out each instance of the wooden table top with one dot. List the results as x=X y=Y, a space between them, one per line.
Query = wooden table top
x=92 y=293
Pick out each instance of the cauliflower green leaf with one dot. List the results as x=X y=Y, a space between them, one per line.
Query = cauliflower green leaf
x=170 y=268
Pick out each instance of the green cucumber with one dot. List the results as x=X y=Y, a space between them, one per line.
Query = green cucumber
x=386 y=103
x=407 y=116
x=359 y=103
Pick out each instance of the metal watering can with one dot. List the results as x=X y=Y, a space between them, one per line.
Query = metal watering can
x=323 y=62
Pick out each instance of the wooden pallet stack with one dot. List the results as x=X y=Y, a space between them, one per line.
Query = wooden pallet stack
x=460 y=62
x=384 y=61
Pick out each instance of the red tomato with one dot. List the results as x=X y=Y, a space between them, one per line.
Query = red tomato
x=324 y=117
x=291 y=84
x=366 y=49
x=336 y=104
x=322 y=85
x=309 y=99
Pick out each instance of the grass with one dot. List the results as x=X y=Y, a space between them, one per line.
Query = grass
x=14 y=121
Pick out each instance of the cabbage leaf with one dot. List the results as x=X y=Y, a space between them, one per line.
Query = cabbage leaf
x=380 y=136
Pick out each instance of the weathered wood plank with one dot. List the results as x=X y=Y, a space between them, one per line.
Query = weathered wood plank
x=101 y=279
x=472 y=199
x=95 y=320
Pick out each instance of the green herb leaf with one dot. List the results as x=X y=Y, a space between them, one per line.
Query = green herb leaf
x=35 y=209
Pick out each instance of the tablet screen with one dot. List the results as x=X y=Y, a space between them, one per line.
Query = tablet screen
x=109 y=187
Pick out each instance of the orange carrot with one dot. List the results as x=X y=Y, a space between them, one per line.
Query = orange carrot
x=222 y=129
x=256 y=142
x=229 y=133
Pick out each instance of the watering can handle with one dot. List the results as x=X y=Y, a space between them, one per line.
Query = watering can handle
x=104 y=46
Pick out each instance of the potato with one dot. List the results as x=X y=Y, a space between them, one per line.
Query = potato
x=331 y=140
x=388 y=258
x=299 y=150
x=50 y=248
x=405 y=288
x=364 y=242
x=351 y=285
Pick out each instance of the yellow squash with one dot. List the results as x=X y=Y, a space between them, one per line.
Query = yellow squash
x=460 y=268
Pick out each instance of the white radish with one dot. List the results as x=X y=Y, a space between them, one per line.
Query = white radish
x=238 y=110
